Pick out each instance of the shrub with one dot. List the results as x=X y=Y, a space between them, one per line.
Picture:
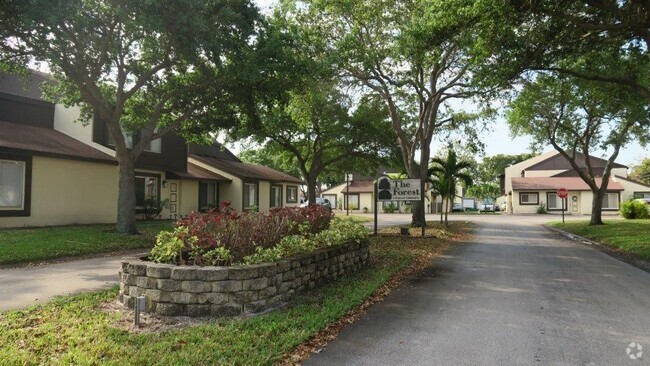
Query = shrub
x=170 y=245
x=635 y=210
x=390 y=208
x=340 y=232
x=224 y=236
x=541 y=209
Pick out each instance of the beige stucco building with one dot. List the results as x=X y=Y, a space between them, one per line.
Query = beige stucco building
x=534 y=182
x=55 y=170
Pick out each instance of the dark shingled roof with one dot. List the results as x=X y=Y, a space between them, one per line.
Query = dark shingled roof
x=356 y=186
x=246 y=170
x=197 y=173
x=46 y=142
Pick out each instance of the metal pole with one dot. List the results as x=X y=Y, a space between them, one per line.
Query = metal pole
x=424 y=220
x=375 y=209
x=347 y=195
x=563 y=209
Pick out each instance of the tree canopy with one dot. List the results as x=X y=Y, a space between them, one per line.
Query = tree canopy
x=413 y=55
x=641 y=171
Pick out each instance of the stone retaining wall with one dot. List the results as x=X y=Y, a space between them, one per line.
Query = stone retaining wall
x=232 y=291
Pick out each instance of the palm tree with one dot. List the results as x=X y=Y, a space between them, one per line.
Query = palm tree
x=447 y=172
x=439 y=187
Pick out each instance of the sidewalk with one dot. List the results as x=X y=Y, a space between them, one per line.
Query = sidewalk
x=26 y=286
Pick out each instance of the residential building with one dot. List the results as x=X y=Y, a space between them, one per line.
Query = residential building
x=55 y=170
x=533 y=182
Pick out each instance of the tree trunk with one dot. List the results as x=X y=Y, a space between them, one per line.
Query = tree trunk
x=442 y=208
x=311 y=190
x=447 y=213
x=126 y=195
x=597 y=208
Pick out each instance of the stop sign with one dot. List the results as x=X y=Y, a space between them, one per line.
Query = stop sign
x=562 y=193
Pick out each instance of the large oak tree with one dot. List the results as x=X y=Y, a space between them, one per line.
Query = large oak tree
x=411 y=54
x=144 y=68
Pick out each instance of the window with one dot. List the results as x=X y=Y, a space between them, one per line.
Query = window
x=641 y=194
x=154 y=146
x=276 y=196
x=292 y=194
x=610 y=201
x=147 y=190
x=353 y=200
x=250 y=195
x=208 y=195
x=528 y=198
x=332 y=199
x=12 y=185
x=128 y=139
x=553 y=202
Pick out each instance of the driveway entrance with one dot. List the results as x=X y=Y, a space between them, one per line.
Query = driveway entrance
x=517 y=294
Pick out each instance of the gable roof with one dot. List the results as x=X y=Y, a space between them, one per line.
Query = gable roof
x=195 y=172
x=559 y=162
x=41 y=141
x=523 y=165
x=246 y=170
x=356 y=186
x=216 y=150
x=555 y=183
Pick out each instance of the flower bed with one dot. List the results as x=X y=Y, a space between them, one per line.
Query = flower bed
x=222 y=263
x=225 y=237
x=235 y=290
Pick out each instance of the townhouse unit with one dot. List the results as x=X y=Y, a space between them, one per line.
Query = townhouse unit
x=55 y=171
x=533 y=182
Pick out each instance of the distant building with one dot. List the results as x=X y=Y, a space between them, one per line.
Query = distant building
x=530 y=183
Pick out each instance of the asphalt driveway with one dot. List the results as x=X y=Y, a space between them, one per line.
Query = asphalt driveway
x=517 y=294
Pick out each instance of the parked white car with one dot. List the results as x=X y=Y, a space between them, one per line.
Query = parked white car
x=487 y=207
x=319 y=201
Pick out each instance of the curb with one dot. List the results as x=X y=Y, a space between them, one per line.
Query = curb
x=614 y=253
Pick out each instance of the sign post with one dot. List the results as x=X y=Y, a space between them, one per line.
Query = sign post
x=387 y=189
x=563 y=193
x=423 y=211
x=375 y=208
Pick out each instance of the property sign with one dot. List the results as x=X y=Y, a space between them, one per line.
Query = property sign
x=562 y=193
x=398 y=189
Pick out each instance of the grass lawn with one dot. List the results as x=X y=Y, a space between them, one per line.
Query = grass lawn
x=38 y=244
x=353 y=217
x=632 y=236
x=75 y=330
x=475 y=213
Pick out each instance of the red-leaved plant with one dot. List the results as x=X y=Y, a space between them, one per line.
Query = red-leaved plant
x=242 y=233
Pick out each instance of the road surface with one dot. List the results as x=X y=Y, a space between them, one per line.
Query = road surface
x=517 y=294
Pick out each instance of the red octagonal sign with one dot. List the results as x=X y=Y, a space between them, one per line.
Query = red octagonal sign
x=562 y=193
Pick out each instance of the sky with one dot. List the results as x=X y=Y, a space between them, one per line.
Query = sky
x=497 y=138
